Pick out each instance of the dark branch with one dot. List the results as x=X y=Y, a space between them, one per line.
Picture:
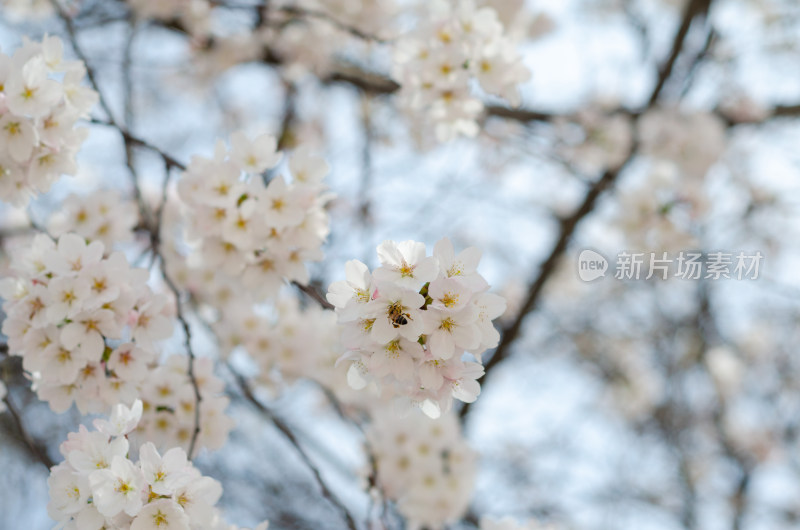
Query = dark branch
x=33 y=447
x=694 y=9
x=546 y=270
x=568 y=225
x=287 y=432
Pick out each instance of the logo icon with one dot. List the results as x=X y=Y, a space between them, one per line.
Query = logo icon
x=591 y=265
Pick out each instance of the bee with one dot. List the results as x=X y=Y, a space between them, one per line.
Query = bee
x=397 y=316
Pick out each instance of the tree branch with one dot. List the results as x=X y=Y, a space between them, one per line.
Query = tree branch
x=567 y=228
x=694 y=9
x=287 y=432
x=568 y=225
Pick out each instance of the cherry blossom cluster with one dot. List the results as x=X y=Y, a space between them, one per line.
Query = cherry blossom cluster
x=27 y=9
x=661 y=210
x=287 y=343
x=258 y=233
x=692 y=142
x=99 y=486
x=311 y=44
x=169 y=402
x=602 y=142
x=407 y=324
x=423 y=465
x=38 y=113
x=83 y=323
x=195 y=15
x=100 y=216
x=295 y=341
x=454 y=44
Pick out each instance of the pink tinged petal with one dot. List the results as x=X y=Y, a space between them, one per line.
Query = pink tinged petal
x=357 y=274
x=491 y=305
x=466 y=336
x=491 y=337
x=412 y=251
x=431 y=409
x=429 y=376
x=355 y=375
x=161 y=328
x=411 y=299
x=426 y=270
x=442 y=344
x=175 y=458
x=413 y=329
x=92 y=346
x=71 y=335
x=444 y=252
x=403 y=367
x=339 y=293
x=389 y=254
x=383 y=331
x=469 y=258
x=90 y=519
x=466 y=390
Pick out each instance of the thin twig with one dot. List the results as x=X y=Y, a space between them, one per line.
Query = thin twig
x=287 y=432
x=298 y=11
x=320 y=15
x=190 y=352
x=169 y=160
x=170 y=163
x=73 y=37
x=315 y=295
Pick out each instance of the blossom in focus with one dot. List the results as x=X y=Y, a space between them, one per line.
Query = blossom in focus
x=407 y=325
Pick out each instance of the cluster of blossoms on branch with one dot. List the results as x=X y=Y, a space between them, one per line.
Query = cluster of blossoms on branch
x=407 y=324
x=595 y=141
x=27 y=9
x=455 y=43
x=315 y=44
x=691 y=142
x=41 y=100
x=287 y=342
x=84 y=324
x=99 y=486
x=256 y=229
x=168 y=395
x=195 y=15
x=99 y=216
x=424 y=465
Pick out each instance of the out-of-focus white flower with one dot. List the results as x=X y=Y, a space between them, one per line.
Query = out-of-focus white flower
x=692 y=141
x=100 y=216
x=255 y=234
x=423 y=465
x=454 y=43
